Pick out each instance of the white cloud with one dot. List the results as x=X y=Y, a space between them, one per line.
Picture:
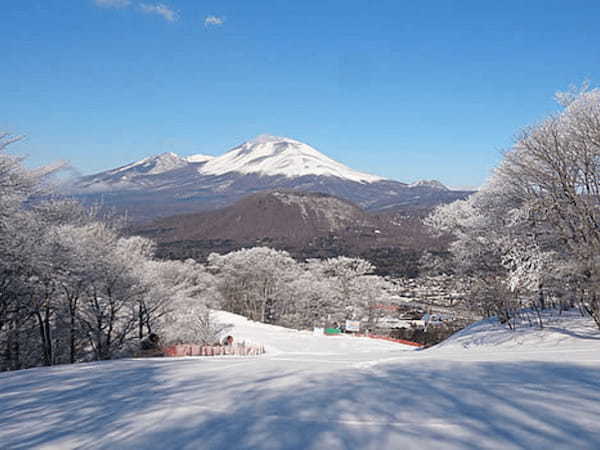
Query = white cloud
x=161 y=9
x=213 y=21
x=112 y=3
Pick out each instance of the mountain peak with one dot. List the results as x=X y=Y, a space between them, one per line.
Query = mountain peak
x=167 y=155
x=153 y=164
x=269 y=138
x=268 y=155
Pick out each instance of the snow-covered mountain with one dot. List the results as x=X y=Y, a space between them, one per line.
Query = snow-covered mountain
x=136 y=175
x=151 y=166
x=264 y=156
x=273 y=156
x=169 y=184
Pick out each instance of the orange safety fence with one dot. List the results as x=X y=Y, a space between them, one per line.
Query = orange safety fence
x=213 y=350
x=387 y=338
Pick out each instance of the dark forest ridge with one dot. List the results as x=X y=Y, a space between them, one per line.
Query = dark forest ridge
x=306 y=224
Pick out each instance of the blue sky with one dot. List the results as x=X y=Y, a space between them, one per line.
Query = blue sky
x=402 y=89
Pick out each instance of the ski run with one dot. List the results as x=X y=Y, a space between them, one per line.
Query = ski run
x=486 y=387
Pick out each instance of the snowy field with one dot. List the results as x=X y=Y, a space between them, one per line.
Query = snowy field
x=484 y=388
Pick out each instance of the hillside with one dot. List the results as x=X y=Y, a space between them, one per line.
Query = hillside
x=307 y=225
x=294 y=217
x=328 y=392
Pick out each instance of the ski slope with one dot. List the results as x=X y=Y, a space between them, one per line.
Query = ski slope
x=486 y=387
x=286 y=341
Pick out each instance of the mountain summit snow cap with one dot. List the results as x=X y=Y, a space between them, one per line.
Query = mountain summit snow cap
x=266 y=138
x=268 y=155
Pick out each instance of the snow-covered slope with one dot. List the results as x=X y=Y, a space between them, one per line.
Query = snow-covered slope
x=199 y=158
x=136 y=175
x=280 y=340
x=323 y=394
x=152 y=165
x=271 y=155
x=560 y=332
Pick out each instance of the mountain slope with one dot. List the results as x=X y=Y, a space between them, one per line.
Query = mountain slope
x=308 y=225
x=147 y=173
x=287 y=216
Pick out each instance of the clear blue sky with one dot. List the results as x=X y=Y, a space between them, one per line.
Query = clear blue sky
x=402 y=89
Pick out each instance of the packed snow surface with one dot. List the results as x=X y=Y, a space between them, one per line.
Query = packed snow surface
x=272 y=156
x=285 y=341
x=486 y=387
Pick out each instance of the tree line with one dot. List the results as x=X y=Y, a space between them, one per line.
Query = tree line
x=268 y=285
x=530 y=238
x=73 y=286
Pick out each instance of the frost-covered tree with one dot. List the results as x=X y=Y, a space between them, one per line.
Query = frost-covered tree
x=19 y=235
x=493 y=252
x=72 y=286
x=106 y=311
x=343 y=274
x=16 y=183
x=540 y=211
x=310 y=299
x=195 y=324
x=269 y=286
x=183 y=292
x=554 y=172
x=371 y=291
x=251 y=281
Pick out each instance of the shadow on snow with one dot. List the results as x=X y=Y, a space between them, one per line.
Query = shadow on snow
x=416 y=405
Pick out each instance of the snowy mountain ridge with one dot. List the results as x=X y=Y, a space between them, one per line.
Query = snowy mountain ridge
x=152 y=165
x=169 y=184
